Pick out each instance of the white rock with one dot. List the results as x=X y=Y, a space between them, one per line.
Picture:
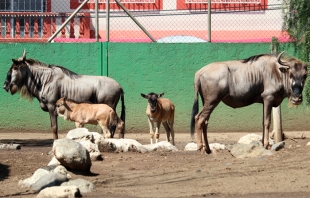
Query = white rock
x=164 y=145
x=26 y=183
x=72 y=154
x=193 y=146
x=79 y=134
x=53 y=162
x=247 y=139
x=83 y=185
x=60 y=192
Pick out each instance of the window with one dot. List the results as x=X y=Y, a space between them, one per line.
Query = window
x=122 y=1
x=223 y=5
x=22 y=6
x=133 y=5
x=224 y=1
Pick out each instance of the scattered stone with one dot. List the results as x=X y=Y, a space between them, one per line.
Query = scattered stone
x=213 y=146
x=121 y=145
x=163 y=146
x=86 y=138
x=192 y=146
x=80 y=134
x=34 y=178
x=72 y=154
x=83 y=185
x=10 y=146
x=278 y=146
x=54 y=162
x=51 y=179
x=61 y=170
x=217 y=146
x=94 y=153
x=97 y=138
x=247 y=139
x=254 y=149
x=60 y=192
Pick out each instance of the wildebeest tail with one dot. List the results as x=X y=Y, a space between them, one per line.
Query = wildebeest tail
x=195 y=106
x=123 y=112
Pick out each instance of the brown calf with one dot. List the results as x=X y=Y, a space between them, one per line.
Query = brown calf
x=85 y=113
x=160 y=110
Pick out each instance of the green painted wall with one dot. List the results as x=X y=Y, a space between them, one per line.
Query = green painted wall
x=142 y=68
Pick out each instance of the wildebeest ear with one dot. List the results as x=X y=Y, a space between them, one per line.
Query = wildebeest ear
x=144 y=96
x=15 y=61
x=160 y=95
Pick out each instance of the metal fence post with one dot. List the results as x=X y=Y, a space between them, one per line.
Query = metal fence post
x=66 y=22
x=209 y=20
x=107 y=4
x=96 y=21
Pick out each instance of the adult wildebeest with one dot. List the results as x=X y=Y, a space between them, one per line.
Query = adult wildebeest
x=86 y=113
x=49 y=83
x=265 y=79
x=160 y=110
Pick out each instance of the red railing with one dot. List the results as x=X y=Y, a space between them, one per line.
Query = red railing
x=40 y=26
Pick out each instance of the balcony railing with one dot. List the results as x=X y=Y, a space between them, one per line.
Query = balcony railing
x=39 y=26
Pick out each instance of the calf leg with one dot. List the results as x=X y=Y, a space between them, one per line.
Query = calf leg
x=151 y=125
x=79 y=125
x=167 y=129
x=157 y=131
x=105 y=130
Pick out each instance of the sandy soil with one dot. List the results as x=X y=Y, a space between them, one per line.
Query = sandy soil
x=168 y=174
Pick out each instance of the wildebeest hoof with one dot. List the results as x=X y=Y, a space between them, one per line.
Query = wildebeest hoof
x=208 y=151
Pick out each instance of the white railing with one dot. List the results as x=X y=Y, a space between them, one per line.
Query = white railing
x=122 y=1
x=226 y=1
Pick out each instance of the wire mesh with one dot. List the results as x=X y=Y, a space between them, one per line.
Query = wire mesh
x=164 y=20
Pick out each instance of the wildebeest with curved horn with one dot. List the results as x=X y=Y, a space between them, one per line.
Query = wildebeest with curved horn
x=34 y=79
x=263 y=78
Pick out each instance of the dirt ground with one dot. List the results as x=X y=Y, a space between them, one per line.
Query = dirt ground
x=168 y=174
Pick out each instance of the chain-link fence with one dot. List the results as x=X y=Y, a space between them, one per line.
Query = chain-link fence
x=141 y=20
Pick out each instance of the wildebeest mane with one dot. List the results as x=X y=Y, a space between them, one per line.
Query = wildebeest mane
x=253 y=58
x=66 y=71
x=35 y=63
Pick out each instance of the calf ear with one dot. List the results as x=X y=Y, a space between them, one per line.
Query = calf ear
x=144 y=96
x=160 y=95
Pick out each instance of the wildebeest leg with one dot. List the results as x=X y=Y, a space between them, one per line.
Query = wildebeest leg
x=201 y=124
x=121 y=128
x=167 y=129
x=266 y=122
x=151 y=124
x=53 y=118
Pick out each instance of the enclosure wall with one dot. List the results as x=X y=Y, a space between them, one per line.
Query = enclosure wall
x=142 y=68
